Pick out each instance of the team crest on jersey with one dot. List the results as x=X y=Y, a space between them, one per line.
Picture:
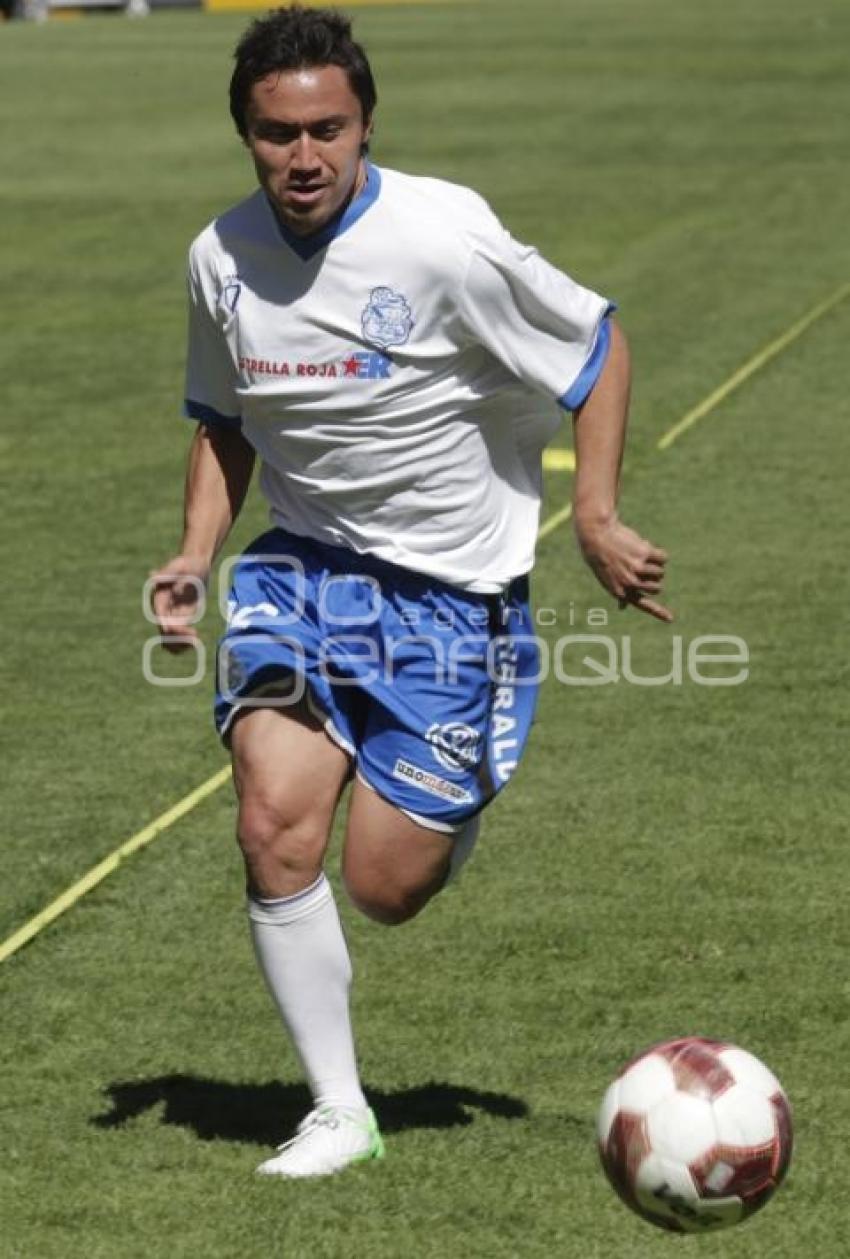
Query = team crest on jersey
x=455 y=745
x=387 y=318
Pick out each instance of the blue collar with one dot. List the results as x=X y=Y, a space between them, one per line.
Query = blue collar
x=307 y=246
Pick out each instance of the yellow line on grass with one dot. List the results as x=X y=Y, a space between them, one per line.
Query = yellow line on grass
x=753 y=365
x=550 y=525
x=555 y=460
x=99 y=872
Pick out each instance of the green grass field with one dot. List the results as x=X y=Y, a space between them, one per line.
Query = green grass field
x=670 y=859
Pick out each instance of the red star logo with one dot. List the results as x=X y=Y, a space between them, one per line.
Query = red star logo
x=351 y=365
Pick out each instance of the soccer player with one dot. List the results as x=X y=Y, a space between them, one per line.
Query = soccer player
x=394 y=357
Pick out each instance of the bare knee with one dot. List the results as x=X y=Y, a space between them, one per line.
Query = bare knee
x=391 y=865
x=282 y=854
x=288 y=777
x=389 y=910
x=386 y=899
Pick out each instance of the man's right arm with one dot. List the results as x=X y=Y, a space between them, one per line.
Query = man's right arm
x=219 y=472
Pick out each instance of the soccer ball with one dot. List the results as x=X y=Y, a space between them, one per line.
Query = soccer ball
x=695 y=1134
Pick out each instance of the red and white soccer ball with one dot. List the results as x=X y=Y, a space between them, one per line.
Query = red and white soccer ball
x=695 y=1134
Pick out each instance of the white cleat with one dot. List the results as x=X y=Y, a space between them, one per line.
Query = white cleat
x=330 y=1139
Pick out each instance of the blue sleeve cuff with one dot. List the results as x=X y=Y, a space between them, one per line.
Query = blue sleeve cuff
x=589 y=374
x=208 y=415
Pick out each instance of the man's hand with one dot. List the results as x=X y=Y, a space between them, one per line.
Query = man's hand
x=217 y=479
x=627 y=565
x=178 y=589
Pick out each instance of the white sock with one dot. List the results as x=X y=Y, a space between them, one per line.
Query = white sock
x=304 y=958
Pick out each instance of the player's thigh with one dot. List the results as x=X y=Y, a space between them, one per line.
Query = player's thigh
x=288 y=776
x=391 y=865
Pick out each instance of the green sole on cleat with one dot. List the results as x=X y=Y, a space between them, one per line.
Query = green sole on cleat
x=377 y=1148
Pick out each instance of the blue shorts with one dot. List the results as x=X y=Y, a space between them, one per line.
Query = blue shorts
x=430 y=689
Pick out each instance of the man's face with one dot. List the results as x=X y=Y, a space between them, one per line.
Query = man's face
x=305 y=133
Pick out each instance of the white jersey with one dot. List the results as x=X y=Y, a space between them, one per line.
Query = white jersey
x=397 y=372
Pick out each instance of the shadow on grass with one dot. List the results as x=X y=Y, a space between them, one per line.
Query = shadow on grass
x=262 y=1113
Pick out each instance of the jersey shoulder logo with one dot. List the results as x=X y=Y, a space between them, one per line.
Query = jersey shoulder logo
x=230 y=293
x=387 y=318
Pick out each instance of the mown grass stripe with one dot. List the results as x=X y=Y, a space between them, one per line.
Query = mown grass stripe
x=236 y=6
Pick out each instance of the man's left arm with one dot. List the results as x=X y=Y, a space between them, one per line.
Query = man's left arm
x=627 y=565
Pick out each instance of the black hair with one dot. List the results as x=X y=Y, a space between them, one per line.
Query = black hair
x=295 y=38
